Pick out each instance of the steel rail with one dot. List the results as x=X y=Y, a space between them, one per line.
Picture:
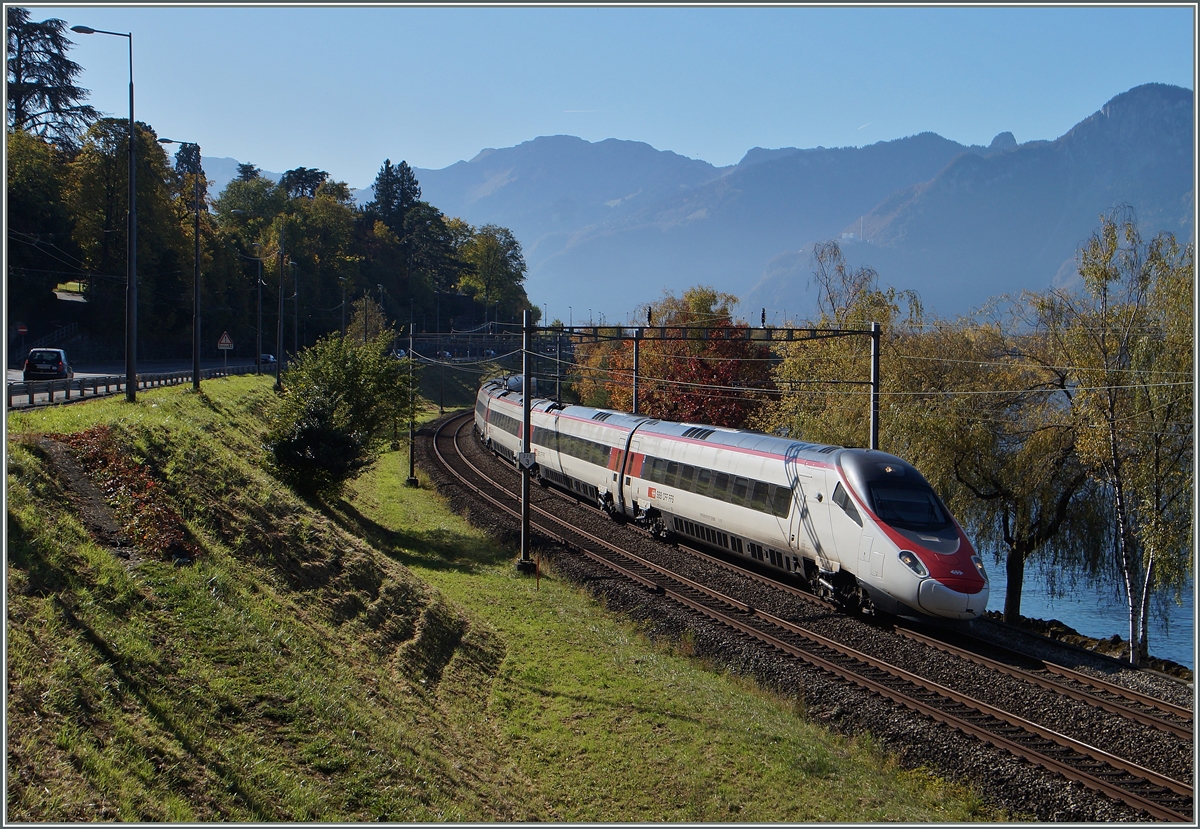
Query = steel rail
x=1182 y=731
x=1084 y=753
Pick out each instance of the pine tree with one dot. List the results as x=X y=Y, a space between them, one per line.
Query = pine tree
x=396 y=190
x=42 y=96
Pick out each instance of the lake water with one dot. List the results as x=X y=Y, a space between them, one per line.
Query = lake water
x=1100 y=611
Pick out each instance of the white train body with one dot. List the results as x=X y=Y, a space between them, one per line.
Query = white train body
x=861 y=526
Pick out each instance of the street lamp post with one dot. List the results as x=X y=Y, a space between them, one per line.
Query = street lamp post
x=342 y=279
x=258 y=333
x=196 y=280
x=131 y=259
x=279 y=327
x=295 y=308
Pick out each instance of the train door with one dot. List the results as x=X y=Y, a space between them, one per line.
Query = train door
x=809 y=532
x=854 y=549
x=632 y=484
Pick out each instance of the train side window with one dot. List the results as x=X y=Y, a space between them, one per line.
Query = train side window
x=761 y=496
x=781 y=501
x=686 y=475
x=740 y=485
x=721 y=486
x=672 y=473
x=703 y=481
x=843 y=500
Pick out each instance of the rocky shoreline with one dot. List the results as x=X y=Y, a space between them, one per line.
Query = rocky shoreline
x=1114 y=646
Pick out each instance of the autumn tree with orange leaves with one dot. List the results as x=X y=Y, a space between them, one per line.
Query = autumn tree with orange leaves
x=717 y=375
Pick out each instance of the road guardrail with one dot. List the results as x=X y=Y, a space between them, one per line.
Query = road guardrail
x=22 y=395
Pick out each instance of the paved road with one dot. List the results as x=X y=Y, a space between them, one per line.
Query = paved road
x=147 y=367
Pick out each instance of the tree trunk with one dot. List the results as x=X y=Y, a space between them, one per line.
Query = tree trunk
x=1142 y=650
x=1014 y=568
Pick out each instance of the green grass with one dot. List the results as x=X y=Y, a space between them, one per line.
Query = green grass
x=615 y=727
x=376 y=658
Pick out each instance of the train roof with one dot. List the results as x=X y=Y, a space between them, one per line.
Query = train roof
x=744 y=440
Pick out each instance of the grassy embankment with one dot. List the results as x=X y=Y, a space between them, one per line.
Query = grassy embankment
x=376 y=658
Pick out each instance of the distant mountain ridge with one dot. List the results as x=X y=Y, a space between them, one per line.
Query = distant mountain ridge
x=609 y=225
x=553 y=186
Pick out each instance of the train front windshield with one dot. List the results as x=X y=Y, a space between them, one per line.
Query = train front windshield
x=908 y=507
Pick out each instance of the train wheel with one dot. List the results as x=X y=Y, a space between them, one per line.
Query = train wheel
x=659 y=529
x=821 y=587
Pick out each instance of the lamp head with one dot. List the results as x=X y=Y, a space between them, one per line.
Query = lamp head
x=83 y=30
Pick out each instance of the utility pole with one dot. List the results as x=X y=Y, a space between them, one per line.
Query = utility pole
x=525 y=459
x=412 y=415
x=875 y=335
x=258 y=333
x=637 y=354
x=279 y=327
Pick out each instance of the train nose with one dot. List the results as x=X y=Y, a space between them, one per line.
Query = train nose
x=948 y=598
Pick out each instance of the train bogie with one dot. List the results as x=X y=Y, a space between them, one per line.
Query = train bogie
x=860 y=526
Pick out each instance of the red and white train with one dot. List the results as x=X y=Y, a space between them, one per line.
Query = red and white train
x=861 y=526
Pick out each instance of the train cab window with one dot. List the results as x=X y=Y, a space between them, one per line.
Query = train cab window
x=842 y=499
x=908 y=506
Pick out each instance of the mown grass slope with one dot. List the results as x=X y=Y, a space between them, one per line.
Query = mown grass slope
x=250 y=656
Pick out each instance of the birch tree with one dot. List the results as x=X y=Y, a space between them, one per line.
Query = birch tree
x=1127 y=341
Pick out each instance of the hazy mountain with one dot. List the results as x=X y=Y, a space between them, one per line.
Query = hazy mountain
x=725 y=231
x=984 y=226
x=548 y=188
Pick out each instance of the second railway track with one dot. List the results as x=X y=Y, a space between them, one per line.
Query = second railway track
x=1155 y=792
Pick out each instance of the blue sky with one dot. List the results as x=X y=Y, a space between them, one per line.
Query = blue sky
x=342 y=88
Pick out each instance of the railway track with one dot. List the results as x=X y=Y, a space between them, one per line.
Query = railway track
x=1148 y=791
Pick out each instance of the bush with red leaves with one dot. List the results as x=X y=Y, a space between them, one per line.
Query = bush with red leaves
x=135 y=496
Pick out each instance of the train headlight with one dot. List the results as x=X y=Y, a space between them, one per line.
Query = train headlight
x=978 y=562
x=913 y=563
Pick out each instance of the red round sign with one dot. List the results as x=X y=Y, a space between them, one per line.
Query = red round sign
x=22 y=330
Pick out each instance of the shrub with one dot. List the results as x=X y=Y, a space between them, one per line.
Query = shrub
x=341 y=400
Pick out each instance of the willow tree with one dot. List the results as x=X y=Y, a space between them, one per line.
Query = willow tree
x=1127 y=340
x=823 y=380
x=988 y=421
